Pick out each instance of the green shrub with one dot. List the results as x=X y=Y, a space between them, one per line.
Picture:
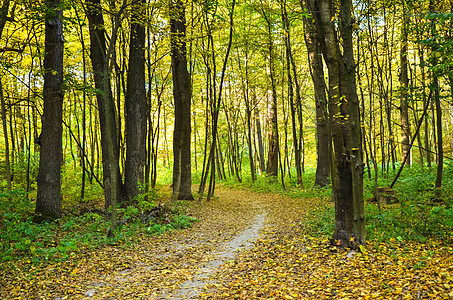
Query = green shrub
x=15 y=201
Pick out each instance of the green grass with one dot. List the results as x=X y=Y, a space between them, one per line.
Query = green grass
x=21 y=238
x=422 y=212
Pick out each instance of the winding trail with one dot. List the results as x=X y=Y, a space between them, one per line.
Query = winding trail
x=183 y=264
x=179 y=264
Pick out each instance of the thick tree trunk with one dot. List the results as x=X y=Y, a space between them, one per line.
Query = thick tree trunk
x=324 y=140
x=353 y=107
x=136 y=107
x=100 y=63
x=182 y=90
x=345 y=125
x=48 y=200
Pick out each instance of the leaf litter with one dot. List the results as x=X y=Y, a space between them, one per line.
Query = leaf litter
x=278 y=259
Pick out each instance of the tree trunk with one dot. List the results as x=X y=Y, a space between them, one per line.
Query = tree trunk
x=435 y=87
x=3 y=18
x=404 y=88
x=355 y=139
x=345 y=124
x=324 y=140
x=289 y=61
x=182 y=93
x=273 y=150
x=5 y=134
x=48 y=200
x=136 y=106
x=426 y=141
x=260 y=139
x=100 y=63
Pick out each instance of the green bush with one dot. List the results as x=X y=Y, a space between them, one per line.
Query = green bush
x=177 y=222
x=15 y=201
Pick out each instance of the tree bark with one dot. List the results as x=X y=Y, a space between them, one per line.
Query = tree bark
x=259 y=135
x=48 y=200
x=100 y=63
x=3 y=18
x=435 y=87
x=290 y=63
x=345 y=124
x=404 y=87
x=273 y=150
x=182 y=90
x=353 y=108
x=324 y=139
x=249 y=109
x=5 y=134
x=136 y=106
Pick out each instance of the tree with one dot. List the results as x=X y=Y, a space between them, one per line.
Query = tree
x=215 y=102
x=404 y=89
x=292 y=76
x=100 y=59
x=136 y=108
x=324 y=139
x=273 y=148
x=344 y=121
x=48 y=200
x=182 y=93
x=3 y=18
x=436 y=88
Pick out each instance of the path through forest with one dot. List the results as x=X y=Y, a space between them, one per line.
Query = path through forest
x=185 y=264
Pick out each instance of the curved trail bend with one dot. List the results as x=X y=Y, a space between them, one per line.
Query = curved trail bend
x=183 y=264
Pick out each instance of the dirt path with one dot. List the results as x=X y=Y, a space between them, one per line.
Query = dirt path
x=180 y=264
x=192 y=288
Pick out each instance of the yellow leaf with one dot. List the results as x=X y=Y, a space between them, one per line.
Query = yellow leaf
x=362 y=249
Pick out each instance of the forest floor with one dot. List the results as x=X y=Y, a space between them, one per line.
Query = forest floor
x=246 y=245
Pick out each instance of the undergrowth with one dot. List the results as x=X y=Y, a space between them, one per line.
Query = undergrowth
x=80 y=227
x=422 y=212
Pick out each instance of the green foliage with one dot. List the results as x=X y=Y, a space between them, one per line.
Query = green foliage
x=269 y=184
x=146 y=199
x=58 y=240
x=71 y=187
x=422 y=212
x=19 y=169
x=183 y=221
x=320 y=222
x=15 y=202
x=177 y=222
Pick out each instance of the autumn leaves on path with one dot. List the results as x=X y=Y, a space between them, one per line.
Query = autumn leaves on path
x=184 y=264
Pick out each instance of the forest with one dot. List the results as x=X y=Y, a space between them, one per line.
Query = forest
x=139 y=137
